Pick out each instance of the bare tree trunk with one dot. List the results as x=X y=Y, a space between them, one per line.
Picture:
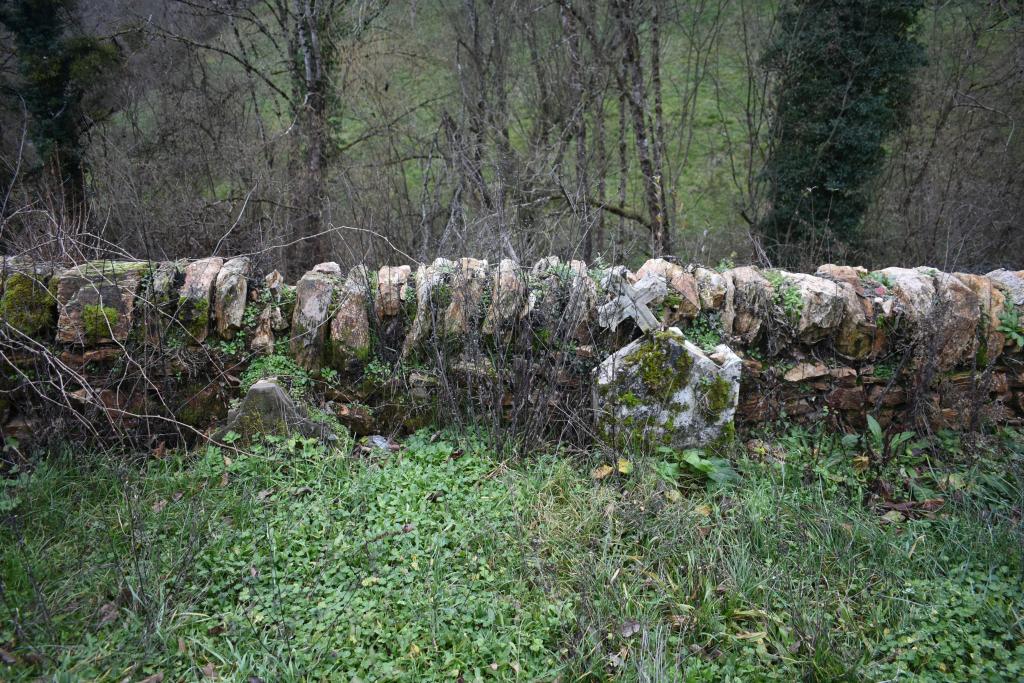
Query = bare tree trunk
x=636 y=96
x=658 y=147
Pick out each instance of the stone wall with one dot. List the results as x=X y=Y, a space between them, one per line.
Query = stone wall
x=147 y=345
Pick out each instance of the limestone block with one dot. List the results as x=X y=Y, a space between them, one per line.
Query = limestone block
x=195 y=296
x=467 y=292
x=96 y=301
x=848 y=274
x=914 y=291
x=314 y=294
x=392 y=290
x=433 y=295
x=992 y=303
x=822 y=306
x=508 y=297
x=956 y=315
x=711 y=289
x=28 y=302
x=663 y=389
x=1011 y=282
x=747 y=302
x=350 y=326
x=230 y=297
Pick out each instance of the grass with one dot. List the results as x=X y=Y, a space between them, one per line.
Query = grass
x=443 y=561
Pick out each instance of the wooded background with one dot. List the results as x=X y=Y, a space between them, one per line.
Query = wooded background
x=791 y=134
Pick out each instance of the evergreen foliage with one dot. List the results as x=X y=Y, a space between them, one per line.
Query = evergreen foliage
x=58 y=66
x=844 y=71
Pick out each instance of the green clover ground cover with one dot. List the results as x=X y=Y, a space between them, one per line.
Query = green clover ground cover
x=443 y=561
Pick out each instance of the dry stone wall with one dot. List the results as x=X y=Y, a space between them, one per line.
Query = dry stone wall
x=394 y=345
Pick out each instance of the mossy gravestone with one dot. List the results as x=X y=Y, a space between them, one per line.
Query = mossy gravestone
x=663 y=390
x=268 y=409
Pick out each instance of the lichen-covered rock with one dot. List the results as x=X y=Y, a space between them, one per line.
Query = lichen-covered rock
x=229 y=298
x=914 y=291
x=581 y=300
x=263 y=337
x=268 y=409
x=662 y=389
x=849 y=274
x=857 y=337
x=392 y=290
x=1011 y=282
x=821 y=309
x=350 y=326
x=314 y=295
x=433 y=296
x=682 y=301
x=195 y=296
x=956 y=316
x=96 y=301
x=467 y=292
x=508 y=297
x=328 y=268
x=711 y=289
x=747 y=301
x=29 y=302
x=992 y=303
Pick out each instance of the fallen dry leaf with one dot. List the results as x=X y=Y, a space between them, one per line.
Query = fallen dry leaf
x=629 y=628
x=210 y=671
x=107 y=613
x=624 y=466
x=155 y=678
x=224 y=479
x=181 y=646
x=160 y=451
x=264 y=494
x=177 y=495
x=756 y=636
x=7 y=658
x=159 y=505
x=601 y=472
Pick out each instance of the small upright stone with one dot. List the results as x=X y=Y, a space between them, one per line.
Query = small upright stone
x=463 y=313
x=195 y=296
x=748 y=296
x=392 y=290
x=350 y=326
x=314 y=294
x=508 y=297
x=433 y=289
x=229 y=300
x=663 y=390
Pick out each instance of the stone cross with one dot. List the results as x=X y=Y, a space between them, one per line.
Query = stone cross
x=630 y=300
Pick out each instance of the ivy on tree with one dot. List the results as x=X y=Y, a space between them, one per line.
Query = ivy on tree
x=59 y=65
x=843 y=73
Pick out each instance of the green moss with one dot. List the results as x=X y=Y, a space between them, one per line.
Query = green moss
x=664 y=368
x=194 y=315
x=27 y=305
x=714 y=397
x=111 y=269
x=725 y=439
x=99 y=321
x=629 y=399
